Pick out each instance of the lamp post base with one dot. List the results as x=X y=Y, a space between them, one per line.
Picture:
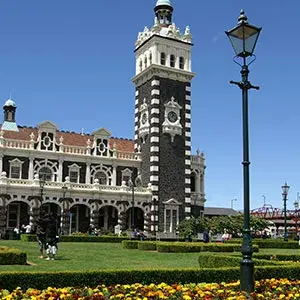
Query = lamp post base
x=247 y=275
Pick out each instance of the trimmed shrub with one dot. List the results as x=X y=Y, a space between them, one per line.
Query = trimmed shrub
x=80 y=238
x=147 y=246
x=198 y=247
x=11 y=256
x=11 y=280
x=278 y=257
x=130 y=244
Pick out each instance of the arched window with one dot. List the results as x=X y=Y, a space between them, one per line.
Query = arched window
x=181 y=62
x=163 y=58
x=172 y=60
x=45 y=173
x=141 y=65
x=150 y=58
x=101 y=176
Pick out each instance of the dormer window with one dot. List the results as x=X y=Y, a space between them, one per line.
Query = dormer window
x=15 y=168
x=163 y=58
x=172 y=60
x=181 y=62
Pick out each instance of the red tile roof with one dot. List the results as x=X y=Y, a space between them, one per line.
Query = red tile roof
x=69 y=138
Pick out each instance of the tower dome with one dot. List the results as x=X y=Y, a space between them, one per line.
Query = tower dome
x=9 y=102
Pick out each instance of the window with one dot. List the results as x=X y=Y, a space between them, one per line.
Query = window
x=150 y=58
x=163 y=58
x=126 y=176
x=15 y=168
x=146 y=62
x=172 y=61
x=45 y=173
x=141 y=65
x=101 y=176
x=181 y=62
x=73 y=176
x=74 y=173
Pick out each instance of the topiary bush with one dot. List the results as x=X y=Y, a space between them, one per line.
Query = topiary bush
x=11 y=256
x=147 y=246
x=130 y=244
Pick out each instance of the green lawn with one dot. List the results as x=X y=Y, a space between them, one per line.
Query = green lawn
x=95 y=256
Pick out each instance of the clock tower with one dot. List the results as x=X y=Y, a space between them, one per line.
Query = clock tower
x=163 y=116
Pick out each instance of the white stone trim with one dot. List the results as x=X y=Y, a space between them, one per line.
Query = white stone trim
x=188 y=143
x=136 y=136
x=187 y=152
x=187 y=200
x=154 y=111
x=154 y=158
x=188 y=88
x=154 y=92
x=155 y=82
x=187 y=171
x=187 y=209
x=155 y=101
x=136 y=101
x=136 y=110
x=154 y=139
x=154 y=188
x=154 y=149
x=154 y=168
x=154 y=120
x=188 y=134
x=136 y=92
x=187 y=106
x=154 y=178
x=187 y=190
x=154 y=129
x=187 y=162
x=187 y=116
x=188 y=180
x=187 y=97
x=136 y=127
x=188 y=125
x=136 y=119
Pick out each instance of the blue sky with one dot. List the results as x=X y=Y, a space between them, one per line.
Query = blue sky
x=72 y=61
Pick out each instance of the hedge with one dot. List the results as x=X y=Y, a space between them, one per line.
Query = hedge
x=130 y=244
x=269 y=243
x=10 y=281
x=80 y=238
x=218 y=261
x=11 y=256
x=147 y=246
x=198 y=247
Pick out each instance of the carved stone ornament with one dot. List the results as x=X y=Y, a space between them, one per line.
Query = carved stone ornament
x=144 y=125
x=171 y=124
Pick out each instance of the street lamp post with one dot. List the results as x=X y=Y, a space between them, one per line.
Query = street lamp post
x=285 y=191
x=243 y=38
x=131 y=186
x=42 y=181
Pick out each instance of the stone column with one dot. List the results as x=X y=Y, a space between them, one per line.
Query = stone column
x=60 y=170
x=88 y=173
x=30 y=169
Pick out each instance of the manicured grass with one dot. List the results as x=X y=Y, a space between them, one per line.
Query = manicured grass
x=98 y=256
x=104 y=256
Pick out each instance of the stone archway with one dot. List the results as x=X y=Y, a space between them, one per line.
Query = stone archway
x=108 y=218
x=135 y=218
x=80 y=218
x=18 y=214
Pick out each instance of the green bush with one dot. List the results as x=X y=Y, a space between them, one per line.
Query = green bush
x=11 y=280
x=82 y=238
x=278 y=257
x=11 y=256
x=130 y=244
x=213 y=260
x=198 y=247
x=147 y=246
x=272 y=243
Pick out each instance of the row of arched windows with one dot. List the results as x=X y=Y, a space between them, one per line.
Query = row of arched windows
x=163 y=61
x=172 y=60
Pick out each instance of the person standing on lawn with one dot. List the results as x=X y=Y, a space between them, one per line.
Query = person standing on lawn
x=52 y=237
x=41 y=225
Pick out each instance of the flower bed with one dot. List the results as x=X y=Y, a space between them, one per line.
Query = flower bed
x=264 y=289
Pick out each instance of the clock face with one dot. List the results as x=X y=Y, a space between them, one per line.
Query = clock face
x=144 y=118
x=172 y=116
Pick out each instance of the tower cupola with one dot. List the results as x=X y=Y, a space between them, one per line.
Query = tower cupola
x=9 y=108
x=163 y=11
